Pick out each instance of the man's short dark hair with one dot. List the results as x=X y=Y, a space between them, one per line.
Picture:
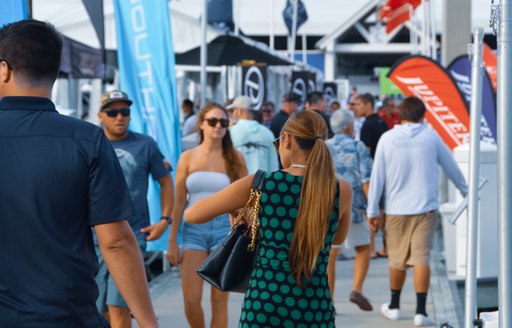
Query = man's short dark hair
x=32 y=49
x=388 y=101
x=366 y=98
x=315 y=97
x=412 y=109
x=269 y=103
x=188 y=103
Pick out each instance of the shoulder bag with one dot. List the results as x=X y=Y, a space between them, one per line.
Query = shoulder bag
x=230 y=265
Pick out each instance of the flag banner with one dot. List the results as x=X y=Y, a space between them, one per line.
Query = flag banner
x=446 y=108
x=330 y=91
x=254 y=84
x=397 y=12
x=491 y=66
x=391 y=5
x=220 y=14
x=398 y=18
x=460 y=69
x=302 y=15
x=81 y=61
x=303 y=82
x=13 y=11
x=146 y=66
x=95 y=10
x=386 y=86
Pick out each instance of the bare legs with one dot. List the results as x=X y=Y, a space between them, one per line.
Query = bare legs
x=361 y=265
x=331 y=270
x=193 y=292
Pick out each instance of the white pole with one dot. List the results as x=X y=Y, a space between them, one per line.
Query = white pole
x=237 y=18
x=412 y=32
x=424 y=28
x=474 y=177
x=504 y=120
x=204 y=53
x=304 y=48
x=272 y=7
x=294 y=29
x=428 y=32
x=433 y=29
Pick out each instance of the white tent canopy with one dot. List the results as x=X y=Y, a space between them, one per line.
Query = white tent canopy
x=70 y=18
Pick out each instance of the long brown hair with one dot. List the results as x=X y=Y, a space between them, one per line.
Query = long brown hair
x=234 y=167
x=309 y=131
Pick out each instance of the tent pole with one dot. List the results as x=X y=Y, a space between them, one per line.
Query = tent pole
x=272 y=7
x=294 y=29
x=204 y=54
x=504 y=102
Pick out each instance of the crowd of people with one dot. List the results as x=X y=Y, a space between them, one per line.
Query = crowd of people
x=378 y=170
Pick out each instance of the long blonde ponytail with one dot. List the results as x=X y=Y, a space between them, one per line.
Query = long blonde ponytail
x=317 y=193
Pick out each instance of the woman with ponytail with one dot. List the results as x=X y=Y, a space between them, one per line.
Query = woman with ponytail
x=202 y=171
x=303 y=211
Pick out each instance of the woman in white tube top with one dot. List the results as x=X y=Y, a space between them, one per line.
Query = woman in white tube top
x=201 y=172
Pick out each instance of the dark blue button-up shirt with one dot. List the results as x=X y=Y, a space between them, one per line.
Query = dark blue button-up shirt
x=58 y=177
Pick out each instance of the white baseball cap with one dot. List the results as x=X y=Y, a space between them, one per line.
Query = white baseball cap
x=243 y=102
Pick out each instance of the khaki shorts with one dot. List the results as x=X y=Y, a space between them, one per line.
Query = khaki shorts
x=409 y=239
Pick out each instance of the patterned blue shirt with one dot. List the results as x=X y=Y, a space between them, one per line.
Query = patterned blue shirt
x=353 y=163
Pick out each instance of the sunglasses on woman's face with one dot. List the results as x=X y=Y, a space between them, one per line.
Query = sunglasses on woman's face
x=212 y=121
x=114 y=112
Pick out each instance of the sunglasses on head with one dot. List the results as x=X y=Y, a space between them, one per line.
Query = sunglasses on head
x=114 y=112
x=212 y=121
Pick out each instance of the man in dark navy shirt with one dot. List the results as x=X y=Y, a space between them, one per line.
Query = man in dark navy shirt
x=58 y=177
x=288 y=107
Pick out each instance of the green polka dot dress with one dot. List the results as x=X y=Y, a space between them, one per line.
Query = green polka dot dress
x=273 y=298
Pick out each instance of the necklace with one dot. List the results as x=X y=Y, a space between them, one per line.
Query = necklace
x=300 y=166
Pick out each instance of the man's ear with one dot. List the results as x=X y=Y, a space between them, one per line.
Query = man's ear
x=5 y=72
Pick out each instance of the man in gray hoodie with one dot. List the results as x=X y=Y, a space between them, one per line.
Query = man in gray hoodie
x=405 y=168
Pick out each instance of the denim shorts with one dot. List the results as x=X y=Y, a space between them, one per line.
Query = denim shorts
x=108 y=294
x=206 y=236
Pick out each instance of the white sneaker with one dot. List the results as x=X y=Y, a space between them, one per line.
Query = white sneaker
x=421 y=320
x=391 y=314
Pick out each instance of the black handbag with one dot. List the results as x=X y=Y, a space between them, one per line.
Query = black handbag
x=230 y=265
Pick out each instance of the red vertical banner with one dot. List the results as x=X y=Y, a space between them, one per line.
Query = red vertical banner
x=491 y=65
x=446 y=109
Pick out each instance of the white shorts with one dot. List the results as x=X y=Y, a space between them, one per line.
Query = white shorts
x=358 y=235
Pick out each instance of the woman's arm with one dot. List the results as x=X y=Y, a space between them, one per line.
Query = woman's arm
x=243 y=171
x=180 y=200
x=345 y=212
x=227 y=200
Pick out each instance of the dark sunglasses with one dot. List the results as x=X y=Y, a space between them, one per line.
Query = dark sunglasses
x=276 y=144
x=114 y=112
x=212 y=121
x=267 y=111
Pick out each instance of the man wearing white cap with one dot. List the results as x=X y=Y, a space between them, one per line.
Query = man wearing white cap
x=251 y=138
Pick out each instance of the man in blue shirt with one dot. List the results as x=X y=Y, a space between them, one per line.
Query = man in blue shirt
x=139 y=156
x=58 y=177
x=251 y=138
